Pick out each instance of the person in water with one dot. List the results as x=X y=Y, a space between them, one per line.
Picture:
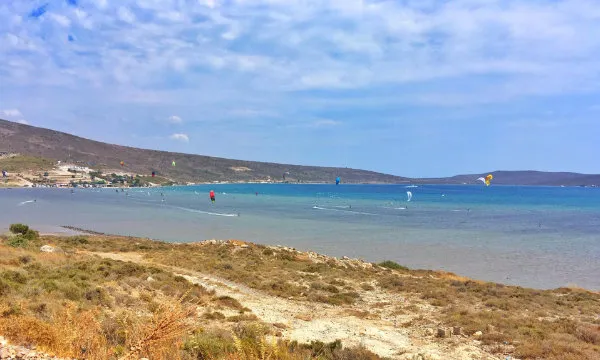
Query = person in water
x=212 y=196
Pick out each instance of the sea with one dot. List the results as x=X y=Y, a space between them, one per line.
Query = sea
x=540 y=237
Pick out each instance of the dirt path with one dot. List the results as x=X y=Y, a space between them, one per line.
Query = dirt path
x=305 y=321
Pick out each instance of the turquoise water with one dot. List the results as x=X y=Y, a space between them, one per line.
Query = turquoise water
x=541 y=237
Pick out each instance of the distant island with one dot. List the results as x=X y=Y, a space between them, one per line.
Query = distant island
x=37 y=153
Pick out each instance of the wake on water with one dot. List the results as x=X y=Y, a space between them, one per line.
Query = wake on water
x=26 y=202
x=205 y=212
x=340 y=210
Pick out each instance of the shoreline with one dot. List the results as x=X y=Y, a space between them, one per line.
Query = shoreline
x=82 y=231
x=303 y=183
x=385 y=308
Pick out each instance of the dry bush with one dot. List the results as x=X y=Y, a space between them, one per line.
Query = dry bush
x=71 y=333
x=161 y=337
x=588 y=333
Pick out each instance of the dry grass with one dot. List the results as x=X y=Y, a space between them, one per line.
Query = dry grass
x=22 y=163
x=162 y=336
x=63 y=335
x=129 y=310
x=557 y=324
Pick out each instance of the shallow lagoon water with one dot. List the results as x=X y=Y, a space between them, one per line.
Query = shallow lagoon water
x=541 y=237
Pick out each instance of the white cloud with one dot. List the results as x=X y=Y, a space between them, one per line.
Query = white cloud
x=126 y=15
x=180 y=137
x=22 y=121
x=84 y=19
x=174 y=119
x=61 y=20
x=271 y=54
x=101 y=3
x=325 y=123
x=11 y=113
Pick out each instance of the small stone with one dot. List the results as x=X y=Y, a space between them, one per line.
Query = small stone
x=429 y=332
x=345 y=258
x=491 y=328
x=245 y=246
x=457 y=330
x=47 y=248
x=150 y=279
x=443 y=333
x=478 y=334
x=279 y=334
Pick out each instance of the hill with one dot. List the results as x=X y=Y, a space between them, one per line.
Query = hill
x=38 y=145
x=528 y=177
x=55 y=145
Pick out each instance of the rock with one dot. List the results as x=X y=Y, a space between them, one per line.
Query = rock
x=491 y=328
x=279 y=334
x=345 y=258
x=443 y=333
x=149 y=279
x=478 y=334
x=47 y=248
x=245 y=246
x=429 y=332
x=457 y=330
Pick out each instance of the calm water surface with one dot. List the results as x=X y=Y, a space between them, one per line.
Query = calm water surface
x=541 y=237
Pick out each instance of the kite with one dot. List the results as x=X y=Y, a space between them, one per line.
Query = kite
x=487 y=180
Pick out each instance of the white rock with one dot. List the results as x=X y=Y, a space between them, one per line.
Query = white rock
x=47 y=248
x=478 y=334
x=150 y=279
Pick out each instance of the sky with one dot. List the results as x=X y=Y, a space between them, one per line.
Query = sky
x=416 y=88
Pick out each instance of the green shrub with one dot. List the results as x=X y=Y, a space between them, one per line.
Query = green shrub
x=392 y=265
x=17 y=241
x=77 y=240
x=14 y=276
x=209 y=345
x=31 y=235
x=71 y=291
x=4 y=288
x=19 y=229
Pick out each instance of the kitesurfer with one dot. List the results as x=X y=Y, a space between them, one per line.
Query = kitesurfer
x=212 y=196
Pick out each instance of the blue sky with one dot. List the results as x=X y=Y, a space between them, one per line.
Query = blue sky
x=412 y=87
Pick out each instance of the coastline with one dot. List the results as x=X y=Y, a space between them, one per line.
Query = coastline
x=81 y=231
x=303 y=296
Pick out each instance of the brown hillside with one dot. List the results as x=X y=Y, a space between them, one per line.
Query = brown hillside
x=45 y=143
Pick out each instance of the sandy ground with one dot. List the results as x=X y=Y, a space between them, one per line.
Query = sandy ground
x=383 y=334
